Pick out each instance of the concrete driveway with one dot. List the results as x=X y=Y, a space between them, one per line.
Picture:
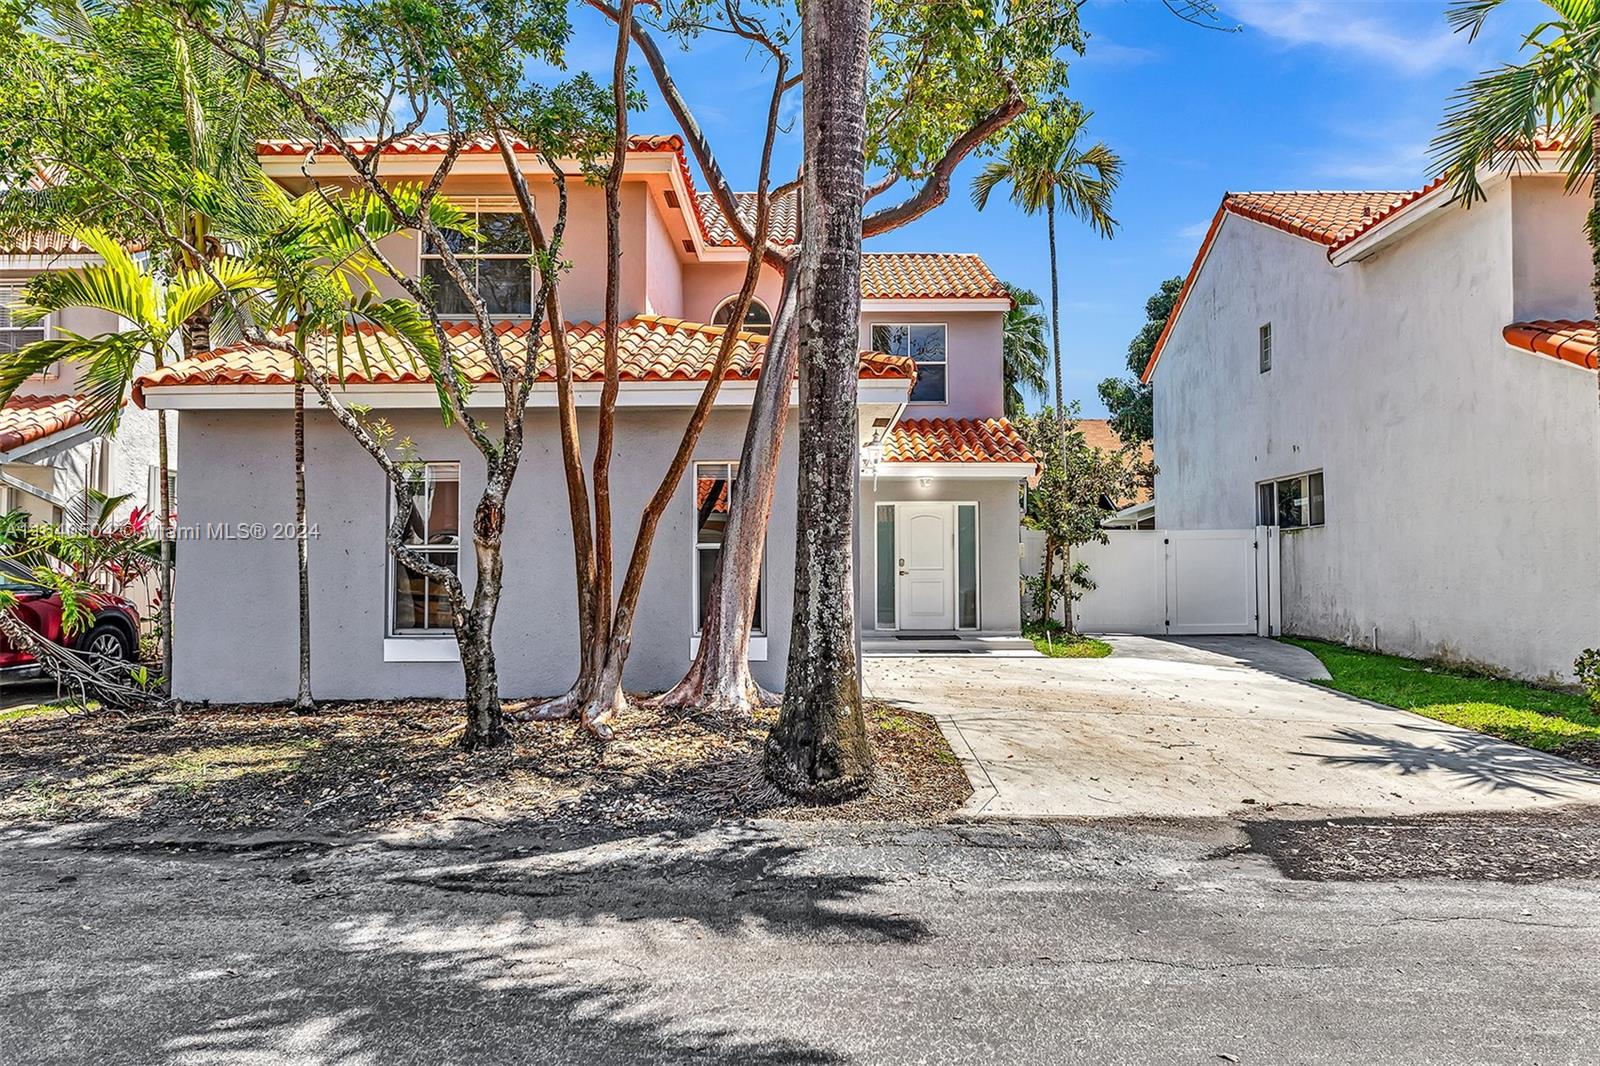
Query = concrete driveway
x=1205 y=727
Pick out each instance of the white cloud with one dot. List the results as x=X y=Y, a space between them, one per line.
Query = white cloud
x=1102 y=49
x=1339 y=25
x=1194 y=231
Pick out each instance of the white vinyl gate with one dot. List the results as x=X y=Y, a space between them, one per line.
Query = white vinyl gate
x=1160 y=581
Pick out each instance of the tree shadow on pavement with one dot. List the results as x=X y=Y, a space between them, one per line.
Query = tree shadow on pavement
x=1471 y=760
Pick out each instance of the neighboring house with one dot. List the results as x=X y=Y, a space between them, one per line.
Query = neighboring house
x=49 y=455
x=1138 y=512
x=1406 y=388
x=940 y=504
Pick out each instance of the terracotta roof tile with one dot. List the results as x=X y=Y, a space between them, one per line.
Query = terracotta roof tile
x=42 y=242
x=1564 y=339
x=1330 y=218
x=436 y=143
x=719 y=234
x=927 y=276
x=1098 y=434
x=955 y=440
x=26 y=419
x=651 y=348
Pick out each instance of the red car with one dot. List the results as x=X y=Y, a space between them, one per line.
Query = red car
x=115 y=631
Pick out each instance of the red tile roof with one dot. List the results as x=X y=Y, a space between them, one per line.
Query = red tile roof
x=1331 y=219
x=955 y=440
x=651 y=348
x=719 y=234
x=1098 y=434
x=436 y=143
x=26 y=419
x=927 y=276
x=42 y=242
x=1563 y=339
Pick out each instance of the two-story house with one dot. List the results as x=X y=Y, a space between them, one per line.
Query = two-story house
x=939 y=490
x=1406 y=387
x=50 y=454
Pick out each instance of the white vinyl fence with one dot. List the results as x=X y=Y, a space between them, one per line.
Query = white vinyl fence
x=1161 y=581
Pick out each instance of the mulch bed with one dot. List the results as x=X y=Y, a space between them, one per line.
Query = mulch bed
x=395 y=765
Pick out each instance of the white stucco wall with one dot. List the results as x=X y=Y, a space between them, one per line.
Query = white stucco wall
x=999 y=535
x=236 y=599
x=1461 y=477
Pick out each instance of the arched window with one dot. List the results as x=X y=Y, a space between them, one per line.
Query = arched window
x=756 y=320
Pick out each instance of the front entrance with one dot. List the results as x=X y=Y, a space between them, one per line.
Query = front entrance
x=925 y=550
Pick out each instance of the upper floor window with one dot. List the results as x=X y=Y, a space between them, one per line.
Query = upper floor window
x=1265 y=346
x=757 y=319
x=1291 y=502
x=925 y=344
x=13 y=336
x=497 y=260
x=418 y=604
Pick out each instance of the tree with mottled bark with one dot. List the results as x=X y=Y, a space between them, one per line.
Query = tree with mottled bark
x=468 y=61
x=818 y=747
x=945 y=84
x=606 y=624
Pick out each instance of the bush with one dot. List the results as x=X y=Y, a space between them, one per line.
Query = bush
x=1587 y=667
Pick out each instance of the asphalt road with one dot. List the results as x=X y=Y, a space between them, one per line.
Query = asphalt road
x=1325 y=942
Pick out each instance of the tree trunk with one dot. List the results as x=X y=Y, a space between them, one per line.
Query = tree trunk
x=1055 y=328
x=1594 y=213
x=818 y=748
x=164 y=496
x=486 y=726
x=1047 y=611
x=303 y=701
x=719 y=680
x=1066 y=587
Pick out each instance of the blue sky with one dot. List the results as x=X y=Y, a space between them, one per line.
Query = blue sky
x=1310 y=94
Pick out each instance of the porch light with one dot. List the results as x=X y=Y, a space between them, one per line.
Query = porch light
x=871 y=456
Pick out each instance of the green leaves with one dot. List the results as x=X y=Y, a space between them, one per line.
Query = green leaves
x=1498 y=119
x=937 y=68
x=1048 y=166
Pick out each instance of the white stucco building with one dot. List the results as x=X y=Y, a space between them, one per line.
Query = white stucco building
x=1407 y=387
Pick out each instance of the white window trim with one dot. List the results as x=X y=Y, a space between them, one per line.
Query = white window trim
x=754 y=302
x=417 y=636
x=479 y=205
x=758 y=636
x=428 y=649
x=955 y=556
x=945 y=326
x=10 y=291
x=1264 y=348
x=1304 y=475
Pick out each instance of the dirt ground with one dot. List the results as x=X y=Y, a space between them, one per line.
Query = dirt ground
x=395 y=765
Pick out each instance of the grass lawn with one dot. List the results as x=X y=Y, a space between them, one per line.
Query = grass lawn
x=1053 y=640
x=1524 y=714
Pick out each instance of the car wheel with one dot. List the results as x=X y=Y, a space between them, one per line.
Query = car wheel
x=110 y=641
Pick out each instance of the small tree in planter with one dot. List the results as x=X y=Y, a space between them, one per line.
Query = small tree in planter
x=1079 y=488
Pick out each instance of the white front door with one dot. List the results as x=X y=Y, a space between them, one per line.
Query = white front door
x=925 y=537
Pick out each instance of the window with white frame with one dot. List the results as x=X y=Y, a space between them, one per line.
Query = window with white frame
x=13 y=335
x=497 y=260
x=418 y=604
x=1291 y=502
x=713 y=494
x=757 y=319
x=1264 y=346
x=923 y=343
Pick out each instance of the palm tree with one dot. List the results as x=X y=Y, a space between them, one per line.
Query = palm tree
x=156 y=312
x=1501 y=118
x=316 y=255
x=1023 y=351
x=1046 y=167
